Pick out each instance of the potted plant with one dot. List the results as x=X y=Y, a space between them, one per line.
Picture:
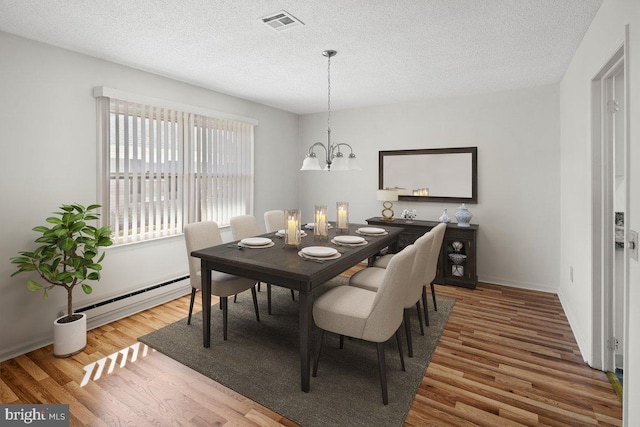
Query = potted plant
x=66 y=259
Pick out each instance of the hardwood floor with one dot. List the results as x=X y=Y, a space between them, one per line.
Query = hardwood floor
x=506 y=358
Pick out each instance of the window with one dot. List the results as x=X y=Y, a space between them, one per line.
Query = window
x=164 y=166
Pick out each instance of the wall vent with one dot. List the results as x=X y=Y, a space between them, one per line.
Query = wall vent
x=281 y=21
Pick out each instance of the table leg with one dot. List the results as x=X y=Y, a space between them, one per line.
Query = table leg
x=305 y=338
x=206 y=306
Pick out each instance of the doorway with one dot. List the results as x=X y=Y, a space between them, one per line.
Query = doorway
x=610 y=205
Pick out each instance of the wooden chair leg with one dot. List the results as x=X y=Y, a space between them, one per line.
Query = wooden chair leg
x=224 y=303
x=235 y=297
x=293 y=295
x=269 y=298
x=255 y=302
x=259 y=283
x=316 y=358
x=383 y=372
x=420 y=317
x=193 y=298
x=399 y=341
x=433 y=295
x=407 y=329
x=426 y=307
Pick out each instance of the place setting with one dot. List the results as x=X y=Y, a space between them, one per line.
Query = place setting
x=372 y=231
x=318 y=253
x=349 y=241
x=255 y=243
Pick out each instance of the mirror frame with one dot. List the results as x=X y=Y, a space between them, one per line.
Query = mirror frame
x=460 y=150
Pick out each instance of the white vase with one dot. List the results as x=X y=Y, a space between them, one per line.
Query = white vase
x=463 y=216
x=69 y=338
x=444 y=218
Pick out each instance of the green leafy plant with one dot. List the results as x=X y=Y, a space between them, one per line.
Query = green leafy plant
x=67 y=256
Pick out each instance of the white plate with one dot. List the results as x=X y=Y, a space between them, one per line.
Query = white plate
x=371 y=230
x=350 y=240
x=319 y=251
x=255 y=241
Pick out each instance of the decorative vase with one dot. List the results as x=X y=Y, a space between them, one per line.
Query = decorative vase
x=320 y=224
x=71 y=337
x=463 y=216
x=292 y=234
x=444 y=218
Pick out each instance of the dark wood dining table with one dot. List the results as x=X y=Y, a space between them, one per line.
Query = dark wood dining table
x=282 y=266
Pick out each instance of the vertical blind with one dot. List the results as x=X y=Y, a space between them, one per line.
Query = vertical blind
x=163 y=168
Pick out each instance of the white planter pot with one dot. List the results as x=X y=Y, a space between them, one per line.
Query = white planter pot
x=69 y=338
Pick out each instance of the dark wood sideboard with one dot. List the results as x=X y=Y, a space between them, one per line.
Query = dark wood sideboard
x=463 y=238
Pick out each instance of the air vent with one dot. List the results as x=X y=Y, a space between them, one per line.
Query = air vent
x=281 y=21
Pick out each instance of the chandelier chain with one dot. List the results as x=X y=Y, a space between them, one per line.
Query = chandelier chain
x=329 y=92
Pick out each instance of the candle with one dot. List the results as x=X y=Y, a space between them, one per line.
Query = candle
x=342 y=218
x=292 y=231
x=321 y=219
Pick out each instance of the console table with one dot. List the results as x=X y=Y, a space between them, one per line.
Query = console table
x=452 y=270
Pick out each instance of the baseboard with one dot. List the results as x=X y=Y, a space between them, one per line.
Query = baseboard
x=583 y=343
x=521 y=285
x=106 y=314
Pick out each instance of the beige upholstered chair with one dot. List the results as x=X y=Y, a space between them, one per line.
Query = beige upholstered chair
x=244 y=226
x=274 y=220
x=371 y=278
x=200 y=235
x=367 y=315
x=431 y=269
x=432 y=265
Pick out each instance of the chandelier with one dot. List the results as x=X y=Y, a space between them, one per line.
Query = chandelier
x=334 y=160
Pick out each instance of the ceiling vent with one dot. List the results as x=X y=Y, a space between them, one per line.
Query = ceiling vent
x=281 y=21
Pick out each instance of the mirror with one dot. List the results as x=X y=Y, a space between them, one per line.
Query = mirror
x=431 y=175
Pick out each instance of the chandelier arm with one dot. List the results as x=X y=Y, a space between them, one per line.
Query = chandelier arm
x=327 y=152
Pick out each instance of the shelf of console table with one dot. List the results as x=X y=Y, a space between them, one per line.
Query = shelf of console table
x=448 y=273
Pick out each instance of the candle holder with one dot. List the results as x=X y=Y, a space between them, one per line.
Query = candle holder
x=292 y=234
x=342 y=223
x=320 y=224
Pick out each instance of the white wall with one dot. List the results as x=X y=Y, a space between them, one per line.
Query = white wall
x=517 y=135
x=604 y=37
x=48 y=139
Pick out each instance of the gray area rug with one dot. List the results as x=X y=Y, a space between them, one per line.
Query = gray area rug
x=261 y=361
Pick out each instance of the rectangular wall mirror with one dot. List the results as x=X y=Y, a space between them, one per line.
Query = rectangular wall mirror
x=431 y=175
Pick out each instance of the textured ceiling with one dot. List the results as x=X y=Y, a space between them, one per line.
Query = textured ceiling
x=388 y=51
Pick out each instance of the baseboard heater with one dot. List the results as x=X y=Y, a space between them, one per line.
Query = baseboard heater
x=124 y=305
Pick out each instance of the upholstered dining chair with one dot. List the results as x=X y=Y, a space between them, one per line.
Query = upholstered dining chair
x=371 y=316
x=371 y=278
x=432 y=268
x=243 y=226
x=431 y=265
x=199 y=235
x=274 y=220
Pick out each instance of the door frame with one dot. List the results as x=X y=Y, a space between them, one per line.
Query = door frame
x=602 y=221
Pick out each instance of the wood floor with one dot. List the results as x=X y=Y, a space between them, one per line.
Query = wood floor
x=507 y=358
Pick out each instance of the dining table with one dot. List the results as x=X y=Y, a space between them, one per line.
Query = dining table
x=282 y=265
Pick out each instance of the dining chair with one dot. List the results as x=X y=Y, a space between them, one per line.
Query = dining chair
x=243 y=226
x=200 y=235
x=274 y=220
x=371 y=278
x=371 y=316
x=432 y=263
x=432 y=268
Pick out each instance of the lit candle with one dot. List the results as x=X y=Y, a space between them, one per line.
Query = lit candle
x=321 y=219
x=342 y=218
x=292 y=231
